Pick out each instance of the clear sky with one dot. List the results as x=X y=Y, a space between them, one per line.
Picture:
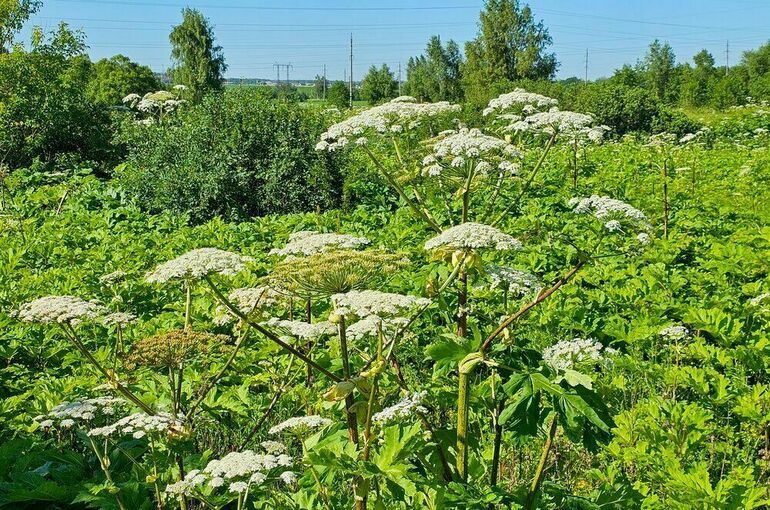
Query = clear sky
x=311 y=33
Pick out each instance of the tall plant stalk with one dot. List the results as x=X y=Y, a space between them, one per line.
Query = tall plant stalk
x=540 y=471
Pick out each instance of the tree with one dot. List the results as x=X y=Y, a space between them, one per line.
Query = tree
x=757 y=64
x=698 y=82
x=198 y=63
x=509 y=46
x=378 y=85
x=321 y=86
x=435 y=75
x=114 y=78
x=13 y=15
x=338 y=95
x=660 y=67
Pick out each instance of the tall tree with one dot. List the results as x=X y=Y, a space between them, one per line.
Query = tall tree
x=435 y=75
x=510 y=45
x=13 y=15
x=199 y=63
x=321 y=86
x=660 y=66
x=114 y=78
x=378 y=85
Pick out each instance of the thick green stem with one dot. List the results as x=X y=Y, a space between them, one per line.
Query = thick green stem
x=463 y=404
x=665 y=198
x=269 y=334
x=540 y=472
x=187 y=305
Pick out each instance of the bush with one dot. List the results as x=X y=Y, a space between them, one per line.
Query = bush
x=235 y=155
x=624 y=109
x=114 y=78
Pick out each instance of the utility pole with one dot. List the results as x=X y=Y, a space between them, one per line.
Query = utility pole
x=727 y=57
x=277 y=73
x=351 y=70
x=399 y=78
x=586 y=79
x=324 y=96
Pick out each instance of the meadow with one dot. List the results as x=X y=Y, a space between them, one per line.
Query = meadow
x=526 y=312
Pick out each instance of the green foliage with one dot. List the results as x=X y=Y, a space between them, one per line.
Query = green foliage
x=45 y=113
x=435 y=75
x=13 y=15
x=199 y=63
x=114 y=78
x=378 y=85
x=338 y=95
x=235 y=155
x=510 y=45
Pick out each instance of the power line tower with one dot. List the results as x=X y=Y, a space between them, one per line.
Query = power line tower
x=324 y=89
x=351 y=71
x=288 y=66
x=277 y=72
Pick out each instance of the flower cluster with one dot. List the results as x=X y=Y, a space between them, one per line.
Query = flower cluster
x=569 y=353
x=472 y=236
x=304 y=330
x=239 y=471
x=247 y=300
x=456 y=149
x=407 y=407
x=139 y=425
x=119 y=319
x=675 y=333
x=364 y=303
x=556 y=121
x=154 y=102
x=198 y=264
x=67 y=414
x=611 y=211
x=300 y=425
x=371 y=325
x=386 y=118
x=173 y=349
x=112 y=278
x=518 y=99
x=517 y=282
x=60 y=310
x=307 y=242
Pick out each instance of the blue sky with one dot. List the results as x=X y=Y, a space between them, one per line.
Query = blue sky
x=311 y=33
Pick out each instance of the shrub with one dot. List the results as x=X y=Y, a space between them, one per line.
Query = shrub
x=235 y=155
x=623 y=108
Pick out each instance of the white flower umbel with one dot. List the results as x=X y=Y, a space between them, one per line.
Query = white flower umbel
x=371 y=325
x=112 y=278
x=60 y=310
x=569 y=353
x=519 y=98
x=132 y=99
x=517 y=282
x=247 y=300
x=608 y=210
x=303 y=330
x=239 y=471
x=389 y=117
x=404 y=409
x=119 y=319
x=470 y=148
x=300 y=425
x=309 y=243
x=274 y=447
x=198 y=264
x=553 y=121
x=139 y=425
x=675 y=333
x=362 y=303
x=82 y=410
x=473 y=236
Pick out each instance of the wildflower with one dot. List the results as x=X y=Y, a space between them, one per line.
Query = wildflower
x=614 y=226
x=247 y=300
x=407 y=407
x=554 y=121
x=304 y=330
x=568 y=353
x=372 y=302
x=517 y=282
x=239 y=487
x=138 y=425
x=173 y=348
x=607 y=209
x=300 y=425
x=309 y=243
x=455 y=148
x=288 y=477
x=273 y=447
x=518 y=98
x=643 y=238
x=113 y=277
x=119 y=319
x=473 y=236
x=60 y=310
x=389 y=117
x=371 y=325
x=180 y=87
x=675 y=332
x=81 y=410
x=132 y=99
x=198 y=264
